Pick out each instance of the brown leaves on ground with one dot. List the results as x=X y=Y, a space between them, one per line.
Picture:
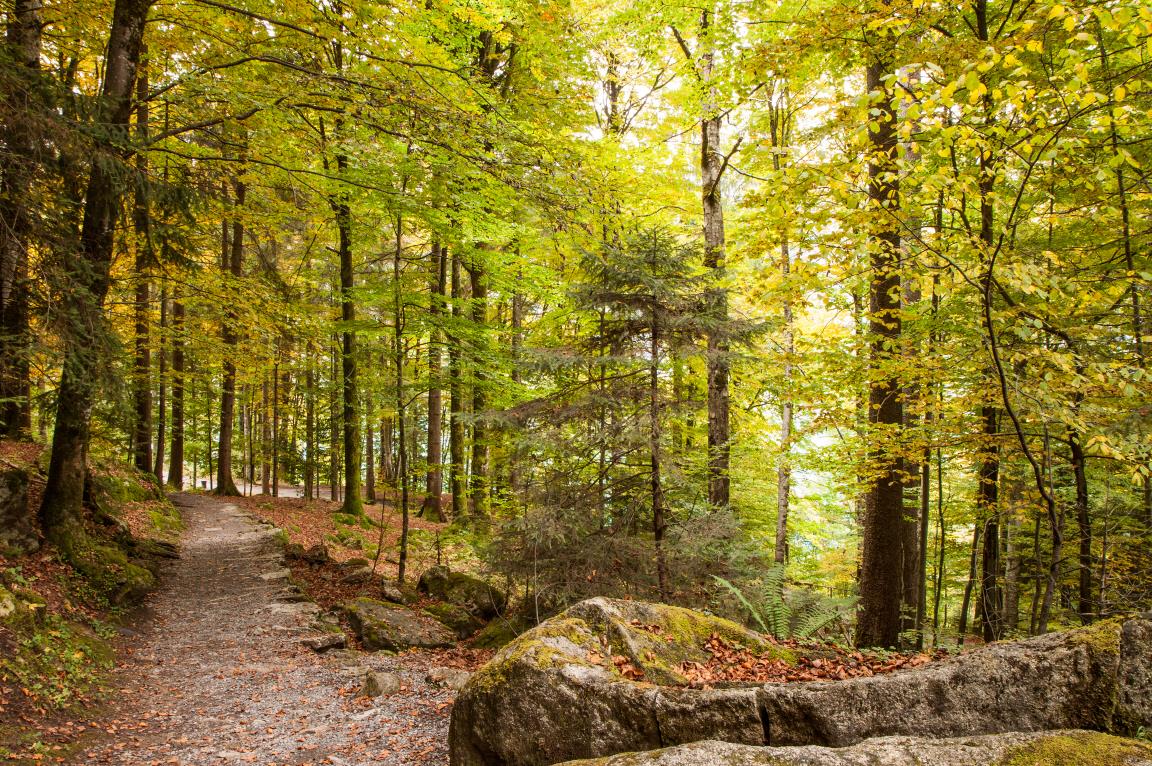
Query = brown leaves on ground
x=312 y=522
x=730 y=664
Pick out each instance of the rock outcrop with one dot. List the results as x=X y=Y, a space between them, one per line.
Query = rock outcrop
x=384 y=626
x=479 y=598
x=557 y=692
x=1052 y=748
x=601 y=679
x=1067 y=680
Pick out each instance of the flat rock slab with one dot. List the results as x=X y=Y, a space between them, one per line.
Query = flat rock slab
x=381 y=625
x=1067 y=680
x=1054 y=748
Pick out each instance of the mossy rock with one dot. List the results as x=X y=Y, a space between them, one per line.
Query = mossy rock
x=455 y=617
x=499 y=633
x=108 y=570
x=1056 y=748
x=555 y=692
x=478 y=597
x=392 y=627
x=20 y=611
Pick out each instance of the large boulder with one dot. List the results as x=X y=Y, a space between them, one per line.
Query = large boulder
x=1078 y=679
x=17 y=527
x=602 y=678
x=569 y=688
x=1053 y=748
x=392 y=627
x=473 y=594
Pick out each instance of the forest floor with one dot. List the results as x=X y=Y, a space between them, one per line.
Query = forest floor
x=216 y=672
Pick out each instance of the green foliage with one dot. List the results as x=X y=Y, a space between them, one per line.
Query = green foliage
x=798 y=613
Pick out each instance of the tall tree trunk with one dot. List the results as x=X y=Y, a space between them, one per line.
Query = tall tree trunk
x=401 y=404
x=176 y=457
x=659 y=522
x=456 y=399
x=969 y=585
x=265 y=438
x=141 y=219
x=387 y=450
x=277 y=394
x=881 y=555
x=1087 y=602
x=87 y=277
x=310 y=424
x=988 y=511
x=334 y=427
x=161 y=387
x=233 y=259
x=479 y=478
x=369 y=459
x=17 y=165
x=712 y=163
x=434 y=484
x=780 y=120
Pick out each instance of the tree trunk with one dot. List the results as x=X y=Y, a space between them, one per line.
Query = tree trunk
x=881 y=552
x=988 y=510
x=309 y=425
x=88 y=278
x=142 y=372
x=176 y=458
x=233 y=261
x=161 y=387
x=712 y=164
x=456 y=399
x=1087 y=602
x=479 y=478
x=387 y=451
x=276 y=401
x=659 y=523
x=401 y=405
x=369 y=460
x=265 y=439
x=434 y=484
x=17 y=166
x=780 y=127
x=973 y=558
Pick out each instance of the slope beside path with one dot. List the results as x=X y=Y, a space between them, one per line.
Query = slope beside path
x=218 y=674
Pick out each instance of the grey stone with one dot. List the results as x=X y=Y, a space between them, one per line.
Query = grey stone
x=448 y=678
x=380 y=684
x=1052 y=748
x=356 y=577
x=393 y=594
x=1067 y=680
x=380 y=625
x=320 y=644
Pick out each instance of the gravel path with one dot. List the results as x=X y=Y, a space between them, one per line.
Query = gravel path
x=219 y=675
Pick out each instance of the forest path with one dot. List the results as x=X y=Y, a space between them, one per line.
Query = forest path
x=218 y=674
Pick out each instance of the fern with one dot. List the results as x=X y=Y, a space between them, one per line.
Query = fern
x=744 y=602
x=771 y=611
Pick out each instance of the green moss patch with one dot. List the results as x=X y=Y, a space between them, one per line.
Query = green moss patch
x=1079 y=749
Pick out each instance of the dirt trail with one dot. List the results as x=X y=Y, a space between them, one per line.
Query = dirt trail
x=219 y=675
